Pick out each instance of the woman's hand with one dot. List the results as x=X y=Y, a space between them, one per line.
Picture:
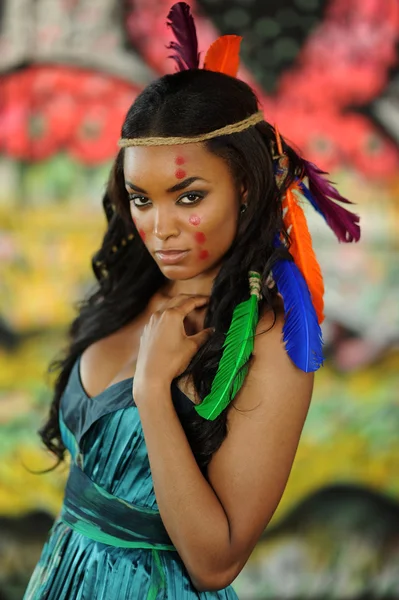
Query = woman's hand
x=165 y=349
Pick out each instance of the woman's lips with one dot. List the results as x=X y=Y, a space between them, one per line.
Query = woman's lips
x=170 y=258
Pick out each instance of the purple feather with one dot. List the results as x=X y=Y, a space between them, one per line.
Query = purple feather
x=181 y=21
x=343 y=222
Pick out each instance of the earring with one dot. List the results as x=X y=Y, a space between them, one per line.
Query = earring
x=243 y=208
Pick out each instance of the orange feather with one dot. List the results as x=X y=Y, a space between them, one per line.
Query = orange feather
x=224 y=55
x=301 y=249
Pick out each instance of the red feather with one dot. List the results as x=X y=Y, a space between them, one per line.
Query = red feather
x=223 y=55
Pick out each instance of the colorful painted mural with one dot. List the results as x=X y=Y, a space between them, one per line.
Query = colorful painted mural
x=327 y=72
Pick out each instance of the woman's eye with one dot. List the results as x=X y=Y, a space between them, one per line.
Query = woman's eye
x=140 y=198
x=193 y=198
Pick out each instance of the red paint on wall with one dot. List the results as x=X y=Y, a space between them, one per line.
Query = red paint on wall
x=194 y=220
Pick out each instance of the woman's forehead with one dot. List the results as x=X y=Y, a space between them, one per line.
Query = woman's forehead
x=177 y=152
x=180 y=161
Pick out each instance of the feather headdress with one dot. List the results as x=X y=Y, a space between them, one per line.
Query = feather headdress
x=322 y=195
x=222 y=56
x=301 y=331
x=296 y=226
x=301 y=249
x=237 y=348
x=300 y=282
x=181 y=21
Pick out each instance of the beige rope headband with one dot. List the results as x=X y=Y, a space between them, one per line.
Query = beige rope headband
x=169 y=141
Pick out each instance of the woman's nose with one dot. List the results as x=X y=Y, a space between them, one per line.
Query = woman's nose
x=165 y=224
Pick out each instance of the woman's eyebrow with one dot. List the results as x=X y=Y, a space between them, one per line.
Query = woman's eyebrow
x=175 y=188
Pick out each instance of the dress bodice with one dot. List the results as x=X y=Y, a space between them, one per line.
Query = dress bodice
x=103 y=433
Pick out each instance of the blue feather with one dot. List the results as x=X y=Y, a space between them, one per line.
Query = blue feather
x=301 y=332
x=308 y=195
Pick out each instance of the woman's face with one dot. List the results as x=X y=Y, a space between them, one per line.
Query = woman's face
x=182 y=198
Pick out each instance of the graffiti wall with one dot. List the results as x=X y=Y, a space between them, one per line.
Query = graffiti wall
x=326 y=71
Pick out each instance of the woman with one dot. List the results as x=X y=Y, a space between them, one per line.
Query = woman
x=166 y=499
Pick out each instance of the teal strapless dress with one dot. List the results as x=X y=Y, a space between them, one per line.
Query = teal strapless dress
x=109 y=542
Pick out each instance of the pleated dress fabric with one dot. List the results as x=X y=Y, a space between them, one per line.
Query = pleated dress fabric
x=109 y=542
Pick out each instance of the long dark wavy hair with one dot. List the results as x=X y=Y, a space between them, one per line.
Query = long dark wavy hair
x=187 y=103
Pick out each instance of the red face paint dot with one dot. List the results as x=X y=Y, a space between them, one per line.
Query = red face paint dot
x=203 y=254
x=142 y=234
x=180 y=160
x=180 y=174
x=194 y=220
x=200 y=237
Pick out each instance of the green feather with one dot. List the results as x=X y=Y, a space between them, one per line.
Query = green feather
x=237 y=348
